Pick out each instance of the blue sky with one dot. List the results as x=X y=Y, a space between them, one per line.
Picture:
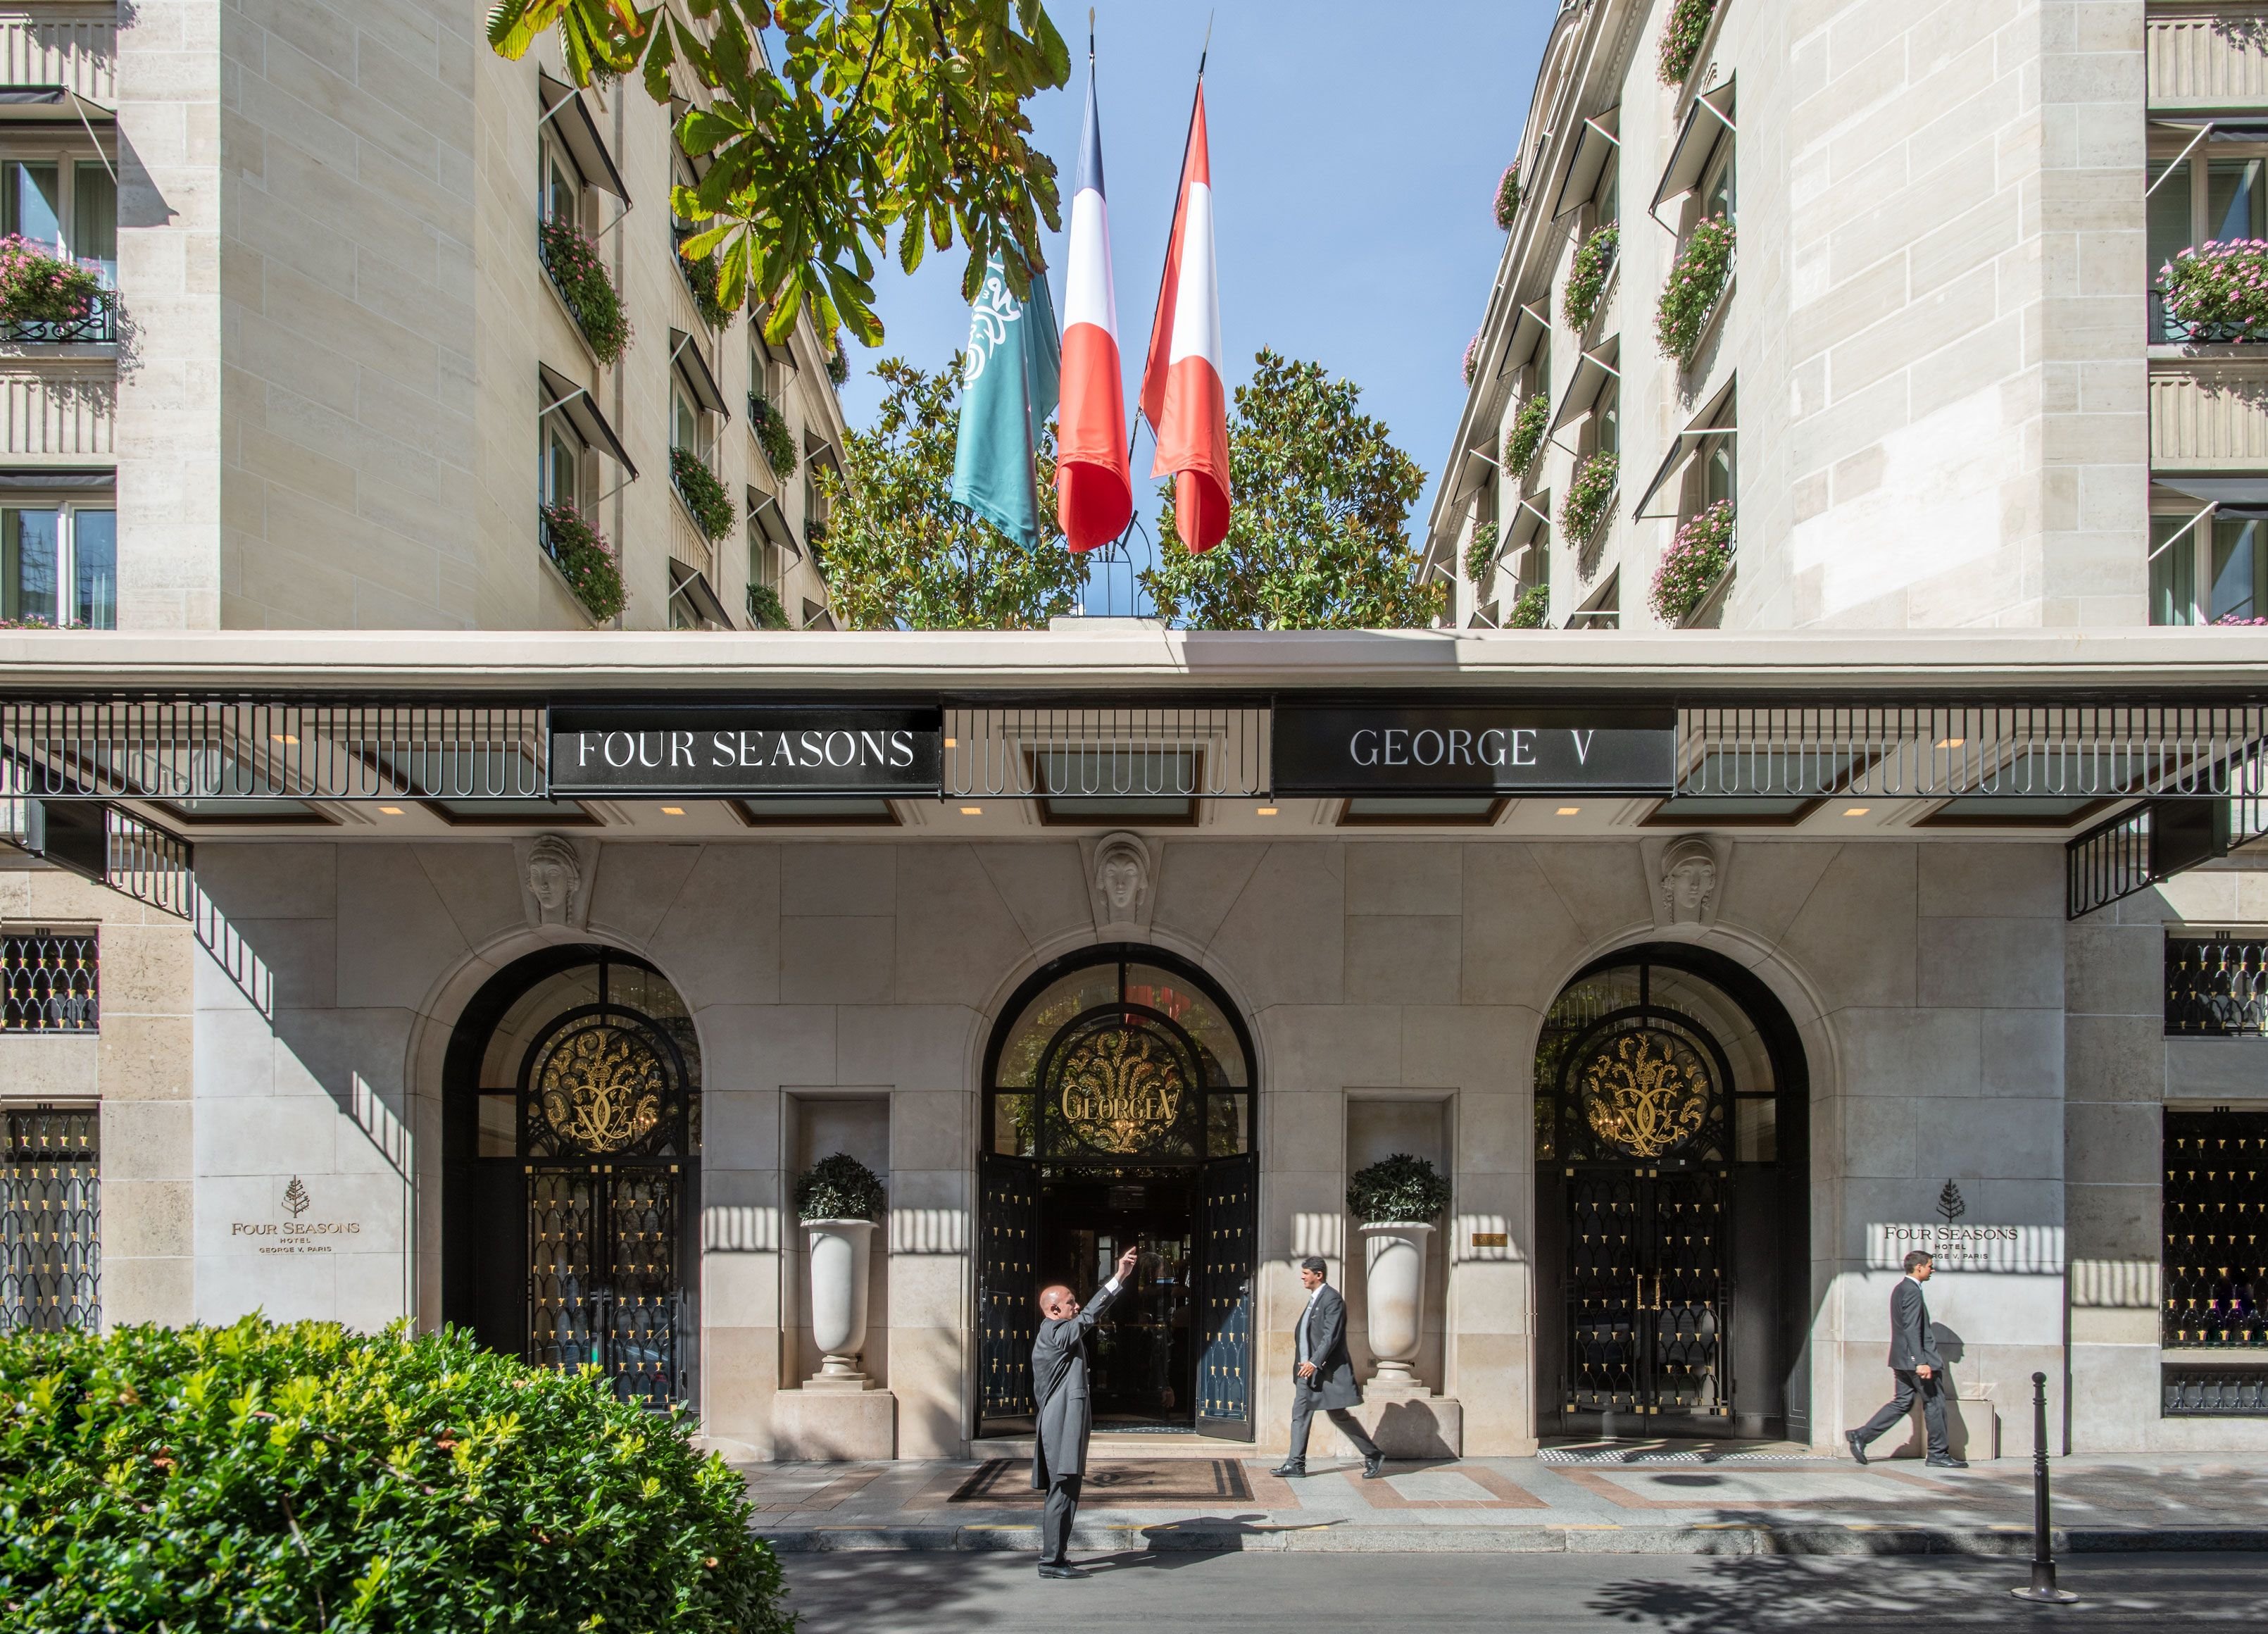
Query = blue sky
x=1354 y=170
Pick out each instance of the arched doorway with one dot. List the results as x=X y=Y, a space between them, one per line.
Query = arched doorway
x=571 y=1153
x=1119 y=1110
x=1671 y=1220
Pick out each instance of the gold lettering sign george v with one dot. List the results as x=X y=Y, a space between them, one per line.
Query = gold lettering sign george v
x=601 y=1087
x=1643 y=1093
x=1121 y=1089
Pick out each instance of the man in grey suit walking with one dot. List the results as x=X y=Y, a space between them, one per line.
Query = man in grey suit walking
x=1919 y=1370
x=1322 y=1374
x=1065 y=1419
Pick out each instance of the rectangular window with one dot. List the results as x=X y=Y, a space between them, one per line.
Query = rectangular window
x=50 y=1219
x=2215 y=1266
x=562 y=186
x=684 y=419
x=2240 y=570
x=69 y=207
x=2173 y=569
x=59 y=566
x=563 y=465
x=49 y=982
x=2196 y=201
x=2216 y=987
x=31 y=202
x=94 y=221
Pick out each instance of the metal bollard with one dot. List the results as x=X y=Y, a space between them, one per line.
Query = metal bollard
x=2042 y=1587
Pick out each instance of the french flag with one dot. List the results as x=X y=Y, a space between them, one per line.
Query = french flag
x=1095 y=490
x=1182 y=396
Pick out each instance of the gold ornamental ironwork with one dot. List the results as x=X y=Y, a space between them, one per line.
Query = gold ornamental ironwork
x=1640 y=1097
x=1121 y=1089
x=601 y=1088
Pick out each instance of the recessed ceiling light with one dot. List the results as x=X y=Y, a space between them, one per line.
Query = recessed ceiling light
x=283 y=737
x=1264 y=811
x=672 y=811
x=953 y=742
x=1568 y=810
x=391 y=810
x=1856 y=810
x=1951 y=743
x=972 y=810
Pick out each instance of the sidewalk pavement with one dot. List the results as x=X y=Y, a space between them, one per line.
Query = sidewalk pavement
x=1656 y=1499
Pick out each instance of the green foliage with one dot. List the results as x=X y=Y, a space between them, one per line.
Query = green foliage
x=704 y=493
x=1531 y=609
x=1480 y=553
x=1696 y=282
x=1319 y=538
x=838 y=1188
x=852 y=122
x=839 y=364
x=1695 y=560
x=1507 y=195
x=702 y=277
x=902 y=555
x=587 y=287
x=256 y=1477
x=1682 y=36
x=1589 y=495
x=1586 y=276
x=772 y=434
x=2218 y=291
x=1400 y=1188
x=1525 y=435
x=580 y=552
x=766 y=611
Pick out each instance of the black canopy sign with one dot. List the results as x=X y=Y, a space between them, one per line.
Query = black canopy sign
x=760 y=749
x=1421 y=748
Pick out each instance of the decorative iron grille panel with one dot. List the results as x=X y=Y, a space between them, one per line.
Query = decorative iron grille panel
x=49 y=982
x=1645 y=1291
x=2216 y=987
x=1227 y=1226
x=1605 y=1248
x=1006 y=752
x=98 y=325
x=1008 y=1283
x=2109 y=862
x=2215 y=1204
x=603 y=1283
x=2215 y=1392
x=51 y=1222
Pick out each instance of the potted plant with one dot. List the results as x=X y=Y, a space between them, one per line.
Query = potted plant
x=1395 y=1201
x=1507 y=195
x=706 y=498
x=1529 y=611
x=1682 y=36
x=1695 y=560
x=772 y=434
x=1472 y=357
x=1586 y=276
x=838 y=1199
x=581 y=553
x=587 y=288
x=1525 y=435
x=1589 y=495
x=1480 y=554
x=766 y=611
x=1698 y=280
x=2219 y=292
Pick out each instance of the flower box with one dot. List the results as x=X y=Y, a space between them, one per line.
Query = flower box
x=1696 y=283
x=1589 y=496
x=2218 y=293
x=1586 y=278
x=581 y=553
x=1697 y=559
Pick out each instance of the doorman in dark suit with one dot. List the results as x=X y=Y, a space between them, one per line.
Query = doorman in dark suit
x=1066 y=1418
x=1918 y=1368
x=1322 y=1374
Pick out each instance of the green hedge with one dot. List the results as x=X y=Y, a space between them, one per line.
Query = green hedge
x=296 y=1477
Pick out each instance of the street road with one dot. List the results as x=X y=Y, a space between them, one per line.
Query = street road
x=883 y=1592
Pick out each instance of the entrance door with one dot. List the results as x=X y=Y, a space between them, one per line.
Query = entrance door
x=1646 y=1297
x=1141 y=1366
x=1008 y=1284
x=602 y=1279
x=1227 y=1222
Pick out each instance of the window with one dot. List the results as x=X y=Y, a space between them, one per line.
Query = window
x=1717 y=484
x=561 y=185
x=1421 y=811
x=1154 y=787
x=1610 y=189
x=562 y=463
x=59 y=566
x=2206 y=569
x=2214 y=1192
x=684 y=419
x=2196 y=201
x=50 y=1219
x=67 y=204
x=49 y=982
x=1605 y=434
x=1717 y=188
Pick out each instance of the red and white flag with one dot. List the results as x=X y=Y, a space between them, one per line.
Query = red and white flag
x=1182 y=395
x=1095 y=490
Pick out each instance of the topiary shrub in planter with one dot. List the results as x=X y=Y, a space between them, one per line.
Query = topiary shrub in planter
x=1400 y=1189
x=1589 y=495
x=1507 y=195
x=589 y=288
x=2218 y=291
x=1480 y=553
x=1697 y=282
x=838 y=1188
x=1530 y=610
x=257 y=1476
x=772 y=435
x=705 y=496
x=765 y=609
x=579 y=551
x=1586 y=278
x=1695 y=560
x=1682 y=36
x=39 y=288
x=1525 y=435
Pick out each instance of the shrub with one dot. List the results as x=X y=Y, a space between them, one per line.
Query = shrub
x=772 y=434
x=1529 y=611
x=1586 y=278
x=1589 y=495
x=1695 y=560
x=1480 y=553
x=1681 y=38
x=838 y=1188
x=2218 y=291
x=765 y=609
x=589 y=288
x=1507 y=195
x=258 y=1476
x=583 y=559
x=1525 y=435
x=40 y=287
x=1472 y=357
x=704 y=495
x=1696 y=283
x=1398 y=1188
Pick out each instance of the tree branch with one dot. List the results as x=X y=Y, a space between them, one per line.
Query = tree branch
x=859 y=91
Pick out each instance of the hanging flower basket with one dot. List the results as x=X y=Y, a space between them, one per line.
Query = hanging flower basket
x=1507 y=195
x=705 y=496
x=2218 y=293
x=589 y=288
x=1525 y=435
x=1586 y=279
x=1696 y=283
x=1480 y=553
x=581 y=553
x=1529 y=611
x=1682 y=36
x=1695 y=560
x=1589 y=495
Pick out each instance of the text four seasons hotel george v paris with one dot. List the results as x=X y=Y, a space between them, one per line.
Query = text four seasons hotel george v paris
x=394 y=929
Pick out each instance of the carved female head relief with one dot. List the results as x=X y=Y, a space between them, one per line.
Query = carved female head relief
x=555 y=874
x=1688 y=880
x=1121 y=879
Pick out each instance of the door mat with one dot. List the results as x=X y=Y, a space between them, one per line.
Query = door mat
x=1619 y=1456
x=1003 y=1484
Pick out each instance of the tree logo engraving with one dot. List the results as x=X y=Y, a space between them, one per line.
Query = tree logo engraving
x=1950 y=1206
x=296 y=1201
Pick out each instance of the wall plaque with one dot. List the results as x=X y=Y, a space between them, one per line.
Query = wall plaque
x=2031 y=1250
x=1468 y=749
x=757 y=750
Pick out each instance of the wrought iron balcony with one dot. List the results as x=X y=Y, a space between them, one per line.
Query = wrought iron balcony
x=2216 y=988
x=98 y=325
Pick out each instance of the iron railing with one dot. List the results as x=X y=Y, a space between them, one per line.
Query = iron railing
x=49 y=982
x=1072 y=751
x=2216 y=987
x=50 y=1222
x=2215 y=1392
x=98 y=325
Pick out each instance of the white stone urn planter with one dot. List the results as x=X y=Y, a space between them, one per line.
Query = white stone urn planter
x=1394 y=1280
x=839 y=1253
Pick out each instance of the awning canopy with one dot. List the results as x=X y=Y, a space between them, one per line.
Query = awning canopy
x=571 y=116
x=1593 y=145
x=771 y=521
x=1687 y=443
x=48 y=480
x=565 y=396
x=1591 y=376
x=1707 y=122
x=2216 y=127
x=43 y=104
x=691 y=586
x=685 y=352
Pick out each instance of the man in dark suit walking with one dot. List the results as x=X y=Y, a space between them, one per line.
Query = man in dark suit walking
x=1322 y=1374
x=1918 y=1368
x=1065 y=1419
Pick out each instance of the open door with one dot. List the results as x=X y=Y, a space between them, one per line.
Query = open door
x=1007 y=1273
x=1227 y=1220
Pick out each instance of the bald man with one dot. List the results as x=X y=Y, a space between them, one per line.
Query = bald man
x=1065 y=1419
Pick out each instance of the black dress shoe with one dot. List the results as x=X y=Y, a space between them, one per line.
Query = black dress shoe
x=1857 y=1447
x=1060 y=1569
x=1373 y=1467
x=1291 y=1467
x=1948 y=1462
